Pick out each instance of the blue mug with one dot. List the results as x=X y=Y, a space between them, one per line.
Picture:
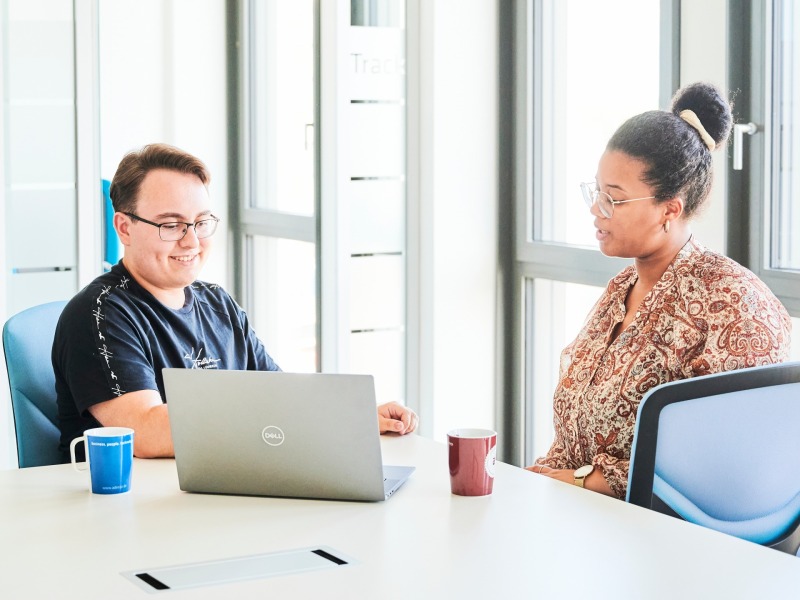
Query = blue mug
x=109 y=458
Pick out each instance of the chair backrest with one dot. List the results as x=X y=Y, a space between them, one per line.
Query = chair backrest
x=723 y=451
x=112 y=246
x=28 y=342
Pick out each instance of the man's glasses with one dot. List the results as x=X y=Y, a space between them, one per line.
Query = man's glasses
x=176 y=230
x=604 y=202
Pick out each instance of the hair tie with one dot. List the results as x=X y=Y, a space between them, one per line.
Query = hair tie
x=691 y=118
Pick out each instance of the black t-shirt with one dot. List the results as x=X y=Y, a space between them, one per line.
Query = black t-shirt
x=114 y=337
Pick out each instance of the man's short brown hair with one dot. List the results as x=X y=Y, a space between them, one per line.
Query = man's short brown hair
x=136 y=165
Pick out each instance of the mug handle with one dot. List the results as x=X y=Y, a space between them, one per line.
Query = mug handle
x=74 y=461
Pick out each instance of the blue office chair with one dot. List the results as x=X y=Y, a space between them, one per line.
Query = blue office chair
x=112 y=246
x=28 y=342
x=723 y=451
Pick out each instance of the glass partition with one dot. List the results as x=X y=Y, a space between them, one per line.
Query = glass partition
x=39 y=151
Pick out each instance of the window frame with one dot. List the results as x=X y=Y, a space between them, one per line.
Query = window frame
x=751 y=69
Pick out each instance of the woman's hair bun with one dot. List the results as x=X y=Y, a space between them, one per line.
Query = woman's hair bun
x=710 y=106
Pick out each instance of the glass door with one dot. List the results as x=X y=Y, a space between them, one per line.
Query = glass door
x=277 y=227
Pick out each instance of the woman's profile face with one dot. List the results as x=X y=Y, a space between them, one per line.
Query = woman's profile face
x=635 y=229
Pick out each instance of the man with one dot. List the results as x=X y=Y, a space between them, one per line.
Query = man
x=151 y=312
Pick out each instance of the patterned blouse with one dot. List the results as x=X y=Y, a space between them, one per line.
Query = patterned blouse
x=706 y=314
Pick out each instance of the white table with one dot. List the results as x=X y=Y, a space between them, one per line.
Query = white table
x=533 y=538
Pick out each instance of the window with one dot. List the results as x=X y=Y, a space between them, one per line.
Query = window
x=558 y=309
x=784 y=246
x=283 y=106
x=276 y=255
x=765 y=57
x=589 y=66
x=586 y=74
x=286 y=323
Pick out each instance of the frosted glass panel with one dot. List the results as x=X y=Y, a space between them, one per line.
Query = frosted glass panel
x=375 y=142
x=377 y=292
x=377 y=64
x=28 y=289
x=41 y=144
x=382 y=355
x=52 y=214
x=41 y=71
x=38 y=151
x=40 y=10
x=284 y=313
x=377 y=138
x=377 y=212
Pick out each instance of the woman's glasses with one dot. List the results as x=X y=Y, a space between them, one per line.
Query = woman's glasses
x=604 y=202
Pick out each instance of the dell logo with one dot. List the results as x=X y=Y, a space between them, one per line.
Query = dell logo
x=272 y=436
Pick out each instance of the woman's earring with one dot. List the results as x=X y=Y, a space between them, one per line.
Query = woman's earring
x=666 y=226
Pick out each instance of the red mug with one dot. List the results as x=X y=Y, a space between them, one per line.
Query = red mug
x=472 y=459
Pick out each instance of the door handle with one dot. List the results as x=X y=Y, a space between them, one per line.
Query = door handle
x=738 y=132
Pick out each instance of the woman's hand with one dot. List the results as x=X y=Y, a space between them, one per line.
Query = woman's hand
x=565 y=475
x=594 y=481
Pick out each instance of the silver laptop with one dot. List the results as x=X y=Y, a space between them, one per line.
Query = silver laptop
x=301 y=435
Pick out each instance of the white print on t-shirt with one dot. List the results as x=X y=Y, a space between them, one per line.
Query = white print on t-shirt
x=205 y=362
x=105 y=292
x=98 y=316
x=107 y=354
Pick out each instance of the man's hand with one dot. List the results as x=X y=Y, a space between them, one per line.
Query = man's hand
x=396 y=418
x=146 y=414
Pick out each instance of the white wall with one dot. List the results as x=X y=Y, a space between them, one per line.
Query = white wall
x=458 y=206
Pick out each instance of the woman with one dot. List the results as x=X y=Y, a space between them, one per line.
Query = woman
x=679 y=311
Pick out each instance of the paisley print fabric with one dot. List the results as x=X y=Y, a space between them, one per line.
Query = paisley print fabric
x=705 y=315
